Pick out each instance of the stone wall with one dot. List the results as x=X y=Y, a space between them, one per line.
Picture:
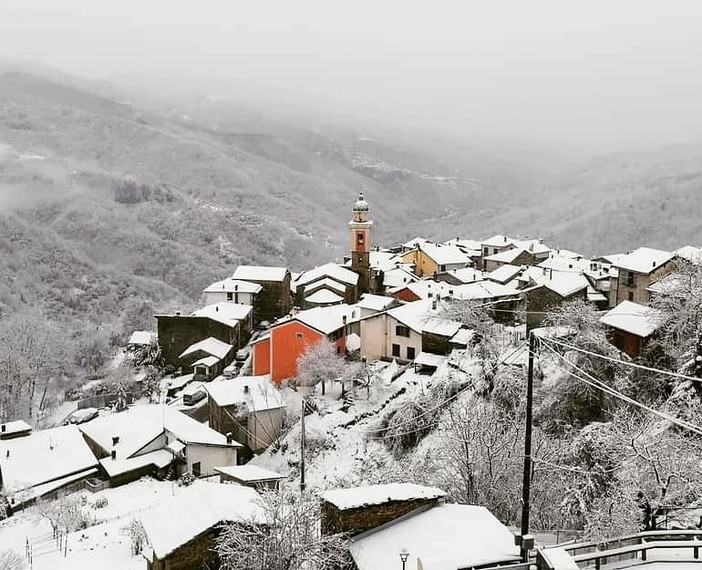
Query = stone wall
x=178 y=332
x=355 y=521
x=194 y=555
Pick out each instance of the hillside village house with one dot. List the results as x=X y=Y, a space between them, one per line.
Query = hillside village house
x=251 y=476
x=248 y=407
x=17 y=428
x=229 y=323
x=232 y=291
x=460 y=276
x=398 y=333
x=181 y=532
x=547 y=289
x=274 y=299
x=494 y=245
x=151 y=439
x=429 y=259
x=638 y=270
x=329 y=284
x=630 y=326
x=45 y=463
x=276 y=353
x=207 y=358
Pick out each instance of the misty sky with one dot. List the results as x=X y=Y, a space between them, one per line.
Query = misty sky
x=604 y=72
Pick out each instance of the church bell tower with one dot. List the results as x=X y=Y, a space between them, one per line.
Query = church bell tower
x=361 y=243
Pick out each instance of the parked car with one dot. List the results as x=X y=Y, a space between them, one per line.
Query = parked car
x=81 y=416
x=194 y=393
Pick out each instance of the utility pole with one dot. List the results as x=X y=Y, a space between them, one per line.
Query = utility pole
x=302 y=447
x=524 y=543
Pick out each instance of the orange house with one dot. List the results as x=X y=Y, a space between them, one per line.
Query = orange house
x=277 y=353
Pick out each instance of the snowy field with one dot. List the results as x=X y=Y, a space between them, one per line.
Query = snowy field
x=105 y=545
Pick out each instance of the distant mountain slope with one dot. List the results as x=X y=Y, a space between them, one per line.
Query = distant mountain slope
x=221 y=188
x=610 y=204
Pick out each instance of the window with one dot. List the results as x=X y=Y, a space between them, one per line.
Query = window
x=197 y=469
x=359 y=239
x=631 y=295
x=396 y=350
x=630 y=278
x=299 y=336
x=230 y=296
x=442 y=268
x=402 y=331
x=410 y=353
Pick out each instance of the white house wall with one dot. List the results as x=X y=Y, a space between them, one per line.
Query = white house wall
x=209 y=457
x=378 y=335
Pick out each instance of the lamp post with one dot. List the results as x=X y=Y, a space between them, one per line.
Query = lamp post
x=404 y=555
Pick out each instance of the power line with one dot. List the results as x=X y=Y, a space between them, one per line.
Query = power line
x=600 y=385
x=625 y=363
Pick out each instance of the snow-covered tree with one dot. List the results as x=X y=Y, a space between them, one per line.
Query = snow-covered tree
x=291 y=538
x=11 y=560
x=320 y=363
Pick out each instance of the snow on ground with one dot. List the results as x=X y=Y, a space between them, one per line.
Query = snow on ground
x=104 y=545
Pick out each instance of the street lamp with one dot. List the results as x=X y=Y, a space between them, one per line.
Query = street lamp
x=404 y=555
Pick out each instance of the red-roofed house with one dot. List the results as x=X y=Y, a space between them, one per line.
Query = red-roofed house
x=277 y=353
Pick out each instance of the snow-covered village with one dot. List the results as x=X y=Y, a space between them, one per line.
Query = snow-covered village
x=477 y=403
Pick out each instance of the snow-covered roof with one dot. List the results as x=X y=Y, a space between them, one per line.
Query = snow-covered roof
x=398 y=276
x=633 y=318
x=448 y=536
x=226 y=313
x=261 y=394
x=413 y=315
x=441 y=327
x=260 y=273
x=323 y=319
x=467 y=274
x=230 y=285
x=140 y=425
x=366 y=495
x=414 y=242
x=497 y=241
x=333 y=270
x=668 y=285
x=142 y=338
x=535 y=246
x=465 y=244
x=159 y=458
x=689 y=253
x=43 y=456
x=12 y=428
x=507 y=256
x=483 y=290
x=463 y=337
x=504 y=273
x=643 y=260
x=210 y=345
x=249 y=473
x=324 y=297
x=429 y=359
x=375 y=302
x=208 y=361
x=445 y=254
x=564 y=283
x=328 y=283
x=178 y=382
x=196 y=509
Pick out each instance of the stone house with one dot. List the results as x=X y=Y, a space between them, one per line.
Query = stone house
x=229 y=323
x=358 y=509
x=249 y=408
x=630 y=326
x=274 y=300
x=181 y=532
x=637 y=270
x=207 y=358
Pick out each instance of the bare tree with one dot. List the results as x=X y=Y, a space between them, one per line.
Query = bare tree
x=10 y=560
x=289 y=540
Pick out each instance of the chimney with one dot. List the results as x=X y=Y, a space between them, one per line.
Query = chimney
x=7 y=454
x=113 y=454
x=229 y=436
x=505 y=238
x=115 y=439
x=550 y=273
x=216 y=309
x=177 y=314
x=246 y=388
